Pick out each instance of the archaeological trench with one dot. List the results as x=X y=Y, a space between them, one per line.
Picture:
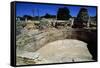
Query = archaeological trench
x=53 y=45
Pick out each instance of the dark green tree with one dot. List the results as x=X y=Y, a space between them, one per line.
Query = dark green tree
x=63 y=14
x=28 y=17
x=82 y=18
x=83 y=15
x=47 y=15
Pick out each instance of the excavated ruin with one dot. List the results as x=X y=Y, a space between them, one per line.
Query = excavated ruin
x=52 y=46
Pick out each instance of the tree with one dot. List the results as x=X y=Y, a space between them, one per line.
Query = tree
x=83 y=15
x=82 y=18
x=28 y=17
x=63 y=14
x=47 y=15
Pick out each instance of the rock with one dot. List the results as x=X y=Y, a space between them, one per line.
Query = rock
x=60 y=51
x=34 y=39
x=68 y=50
x=30 y=55
x=30 y=26
x=24 y=58
x=31 y=47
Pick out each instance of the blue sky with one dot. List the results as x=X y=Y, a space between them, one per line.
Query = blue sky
x=29 y=8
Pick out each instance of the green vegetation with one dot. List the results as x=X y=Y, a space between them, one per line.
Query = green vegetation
x=63 y=14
